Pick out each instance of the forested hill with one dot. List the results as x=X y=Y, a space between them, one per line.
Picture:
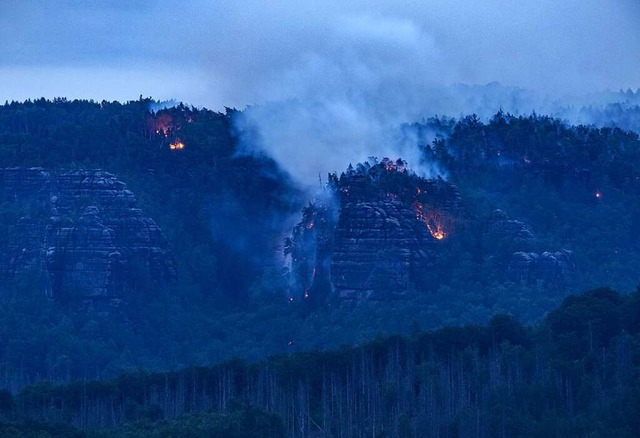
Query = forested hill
x=575 y=374
x=205 y=194
x=575 y=186
x=566 y=189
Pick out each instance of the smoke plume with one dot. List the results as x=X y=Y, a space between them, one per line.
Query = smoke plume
x=327 y=82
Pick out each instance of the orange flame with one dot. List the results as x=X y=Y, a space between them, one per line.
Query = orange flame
x=176 y=145
x=433 y=219
x=163 y=124
x=436 y=231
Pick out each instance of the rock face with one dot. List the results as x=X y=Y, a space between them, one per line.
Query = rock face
x=549 y=267
x=378 y=248
x=524 y=266
x=82 y=235
x=501 y=223
x=377 y=239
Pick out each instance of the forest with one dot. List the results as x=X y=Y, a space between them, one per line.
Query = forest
x=576 y=373
x=162 y=365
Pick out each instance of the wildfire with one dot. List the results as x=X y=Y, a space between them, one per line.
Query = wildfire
x=310 y=225
x=176 y=145
x=436 y=231
x=598 y=195
x=394 y=166
x=433 y=219
x=163 y=124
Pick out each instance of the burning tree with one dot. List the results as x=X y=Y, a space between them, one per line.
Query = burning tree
x=309 y=248
x=400 y=216
x=161 y=124
x=176 y=145
x=392 y=181
x=438 y=222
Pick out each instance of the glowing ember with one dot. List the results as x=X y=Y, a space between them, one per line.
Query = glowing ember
x=176 y=145
x=163 y=124
x=394 y=166
x=433 y=219
x=436 y=231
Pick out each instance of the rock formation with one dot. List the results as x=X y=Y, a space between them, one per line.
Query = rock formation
x=517 y=247
x=549 y=267
x=377 y=239
x=378 y=247
x=80 y=233
x=500 y=223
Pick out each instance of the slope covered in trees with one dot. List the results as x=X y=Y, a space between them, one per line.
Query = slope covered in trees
x=575 y=186
x=207 y=197
x=577 y=373
x=224 y=214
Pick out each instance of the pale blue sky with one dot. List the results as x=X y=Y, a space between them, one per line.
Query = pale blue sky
x=233 y=53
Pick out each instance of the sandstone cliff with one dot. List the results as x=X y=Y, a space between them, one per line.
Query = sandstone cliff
x=80 y=233
x=377 y=238
x=553 y=268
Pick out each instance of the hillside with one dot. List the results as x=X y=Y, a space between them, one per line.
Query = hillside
x=531 y=209
x=578 y=372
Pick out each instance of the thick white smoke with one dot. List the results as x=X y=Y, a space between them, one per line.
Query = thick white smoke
x=348 y=72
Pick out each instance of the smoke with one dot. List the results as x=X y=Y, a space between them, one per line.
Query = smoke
x=327 y=83
x=155 y=106
x=342 y=96
x=310 y=139
x=219 y=54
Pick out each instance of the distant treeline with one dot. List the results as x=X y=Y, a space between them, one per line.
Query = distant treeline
x=575 y=374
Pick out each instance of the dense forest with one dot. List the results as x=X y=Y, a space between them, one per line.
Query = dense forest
x=226 y=212
x=577 y=373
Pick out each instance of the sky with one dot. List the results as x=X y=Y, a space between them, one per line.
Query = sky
x=324 y=74
x=235 y=53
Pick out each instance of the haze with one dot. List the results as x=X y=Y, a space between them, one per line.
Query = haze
x=237 y=53
x=349 y=73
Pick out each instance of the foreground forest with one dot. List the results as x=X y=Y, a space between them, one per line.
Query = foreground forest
x=577 y=373
x=225 y=211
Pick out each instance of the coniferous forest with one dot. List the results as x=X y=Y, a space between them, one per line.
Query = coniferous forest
x=574 y=374
x=493 y=339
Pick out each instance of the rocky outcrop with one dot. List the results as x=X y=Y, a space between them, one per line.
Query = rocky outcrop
x=500 y=223
x=80 y=233
x=377 y=238
x=513 y=246
x=553 y=268
x=377 y=249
